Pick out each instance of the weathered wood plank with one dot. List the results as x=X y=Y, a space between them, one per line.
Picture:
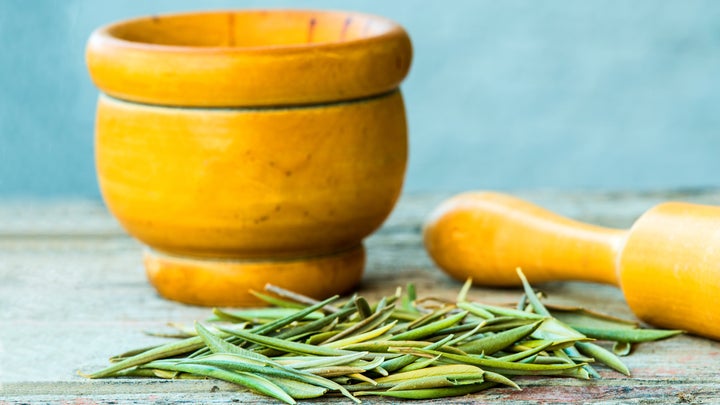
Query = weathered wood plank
x=73 y=292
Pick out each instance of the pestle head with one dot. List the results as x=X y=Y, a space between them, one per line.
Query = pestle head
x=487 y=235
x=670 y=267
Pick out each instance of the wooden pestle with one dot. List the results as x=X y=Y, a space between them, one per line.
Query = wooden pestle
x=667 y=264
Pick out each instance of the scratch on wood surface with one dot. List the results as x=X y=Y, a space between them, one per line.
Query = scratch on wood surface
x=90 y=288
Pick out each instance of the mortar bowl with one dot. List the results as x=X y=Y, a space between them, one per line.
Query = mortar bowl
x=250 y=147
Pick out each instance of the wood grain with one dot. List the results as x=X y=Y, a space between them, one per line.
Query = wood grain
x=73 y=292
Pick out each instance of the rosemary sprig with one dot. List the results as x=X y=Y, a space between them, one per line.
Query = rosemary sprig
x=301 y=348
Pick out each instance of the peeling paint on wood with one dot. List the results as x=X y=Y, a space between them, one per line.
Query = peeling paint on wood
x=73 y=293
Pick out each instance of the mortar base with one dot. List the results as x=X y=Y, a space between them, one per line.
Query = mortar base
x=221 y=282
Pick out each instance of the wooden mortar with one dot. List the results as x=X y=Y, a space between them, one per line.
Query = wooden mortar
x=250 y=147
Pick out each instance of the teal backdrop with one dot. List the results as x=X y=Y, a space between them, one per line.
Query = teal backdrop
x=555 y=94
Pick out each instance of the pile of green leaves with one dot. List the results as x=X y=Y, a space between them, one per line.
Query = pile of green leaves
x=400 y=347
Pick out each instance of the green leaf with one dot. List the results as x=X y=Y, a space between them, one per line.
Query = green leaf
x=371 y=334
x=622 y=348
x=302 y=314
x=254 y=382
x=419 y=364
x=287 y=346
x=510 y=368
x=315 y=325
x=261 y=315
x=298 y=389
x=445 y=370
x=537 y=306
x=432 y=393
x=494 y=343
x=602 y=355
x=218 y=345
x=628 y=335
x=527 y=353
x=159 y=352
x=437 y=382
x=431 y=328
x=278 y=302
x=363 y=308
x=582 y=317
x=367 y=324
x=238 y=363
x=482 y=310
x=313 y=362
x=405 y=360
x=462 y=294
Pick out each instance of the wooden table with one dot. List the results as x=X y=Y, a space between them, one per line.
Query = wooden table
x=73 y=292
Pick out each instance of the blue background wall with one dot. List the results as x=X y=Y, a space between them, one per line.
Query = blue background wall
x=502 y=94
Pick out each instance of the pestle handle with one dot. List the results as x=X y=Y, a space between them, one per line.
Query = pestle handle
x=486 y=236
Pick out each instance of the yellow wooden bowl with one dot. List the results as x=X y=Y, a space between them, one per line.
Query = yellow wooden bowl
x=251 y=147
x=249 y=58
